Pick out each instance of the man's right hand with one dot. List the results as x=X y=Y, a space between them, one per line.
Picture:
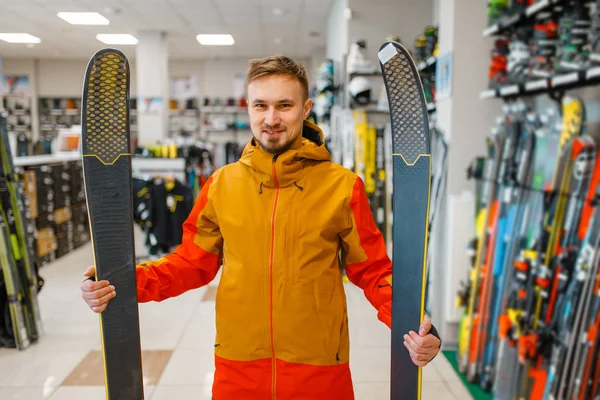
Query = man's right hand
x=96 y=294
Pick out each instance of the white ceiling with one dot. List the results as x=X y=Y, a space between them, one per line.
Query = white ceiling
x=251 y=22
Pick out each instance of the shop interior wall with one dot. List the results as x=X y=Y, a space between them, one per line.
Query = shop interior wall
x=465 y=120
x=374 y=20
x=64 y=78
x=337 y=37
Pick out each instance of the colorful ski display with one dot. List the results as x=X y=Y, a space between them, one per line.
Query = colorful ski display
x=531 y=308
x=22 y=323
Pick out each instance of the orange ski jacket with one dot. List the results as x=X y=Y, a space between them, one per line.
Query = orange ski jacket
x=282 y=228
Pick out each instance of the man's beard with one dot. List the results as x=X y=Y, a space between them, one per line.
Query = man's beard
x=282 y=148
x=276 y=149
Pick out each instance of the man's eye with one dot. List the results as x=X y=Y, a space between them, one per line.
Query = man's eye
x=286 y=105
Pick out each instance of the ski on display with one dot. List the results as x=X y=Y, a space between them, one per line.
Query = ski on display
x=530 y=318
x=20 y=276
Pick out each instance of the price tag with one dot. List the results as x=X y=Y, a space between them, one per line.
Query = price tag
x=487 y=94
x=592 y=73
x=508 y=90
x=539 y=5
x=536 y=85
x=565 y=79
x=491 y=30
x=512 y=20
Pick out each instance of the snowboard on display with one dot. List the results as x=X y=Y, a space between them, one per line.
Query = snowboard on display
x=411 y=199
x=108 y=188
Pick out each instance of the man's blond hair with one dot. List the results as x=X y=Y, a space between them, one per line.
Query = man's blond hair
x=277 y=65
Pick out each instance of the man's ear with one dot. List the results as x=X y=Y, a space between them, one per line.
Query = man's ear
x=307 y=107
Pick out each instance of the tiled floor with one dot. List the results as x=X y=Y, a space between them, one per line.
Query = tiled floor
x=177 y=339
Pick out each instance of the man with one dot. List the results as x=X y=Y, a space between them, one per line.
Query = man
x=276 y=221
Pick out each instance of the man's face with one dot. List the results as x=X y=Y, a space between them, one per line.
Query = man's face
x=277 y=111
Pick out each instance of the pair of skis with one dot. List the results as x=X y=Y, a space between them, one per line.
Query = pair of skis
x=107 y=172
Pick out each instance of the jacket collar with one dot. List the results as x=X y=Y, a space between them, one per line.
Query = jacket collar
x=287 y=166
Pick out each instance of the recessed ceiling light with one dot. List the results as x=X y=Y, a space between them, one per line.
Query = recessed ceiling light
x=109 y=38
x=215 y=40
x=19 y=38
x=278 y=12
x=278 y=40
x=83 y=18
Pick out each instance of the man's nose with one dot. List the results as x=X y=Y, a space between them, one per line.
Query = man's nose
x=272 y=117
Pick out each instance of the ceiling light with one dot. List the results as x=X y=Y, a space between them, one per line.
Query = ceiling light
x=278 y=40
x=109 y=38
x=215 y=40
x=278 y=12
x=83 y=18
x=19 y=38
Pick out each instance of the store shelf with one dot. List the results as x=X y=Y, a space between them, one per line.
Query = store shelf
x=223 y=110
x=185 y=112
x=46 y=159
x=563 y=82
x=365 y=74
x=217 y=130
x=423 y=65
x=174 y=167
x=509 y=21
x=371 y=108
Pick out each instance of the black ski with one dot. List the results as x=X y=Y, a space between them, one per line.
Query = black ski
x=411 y=199
x=108 y=188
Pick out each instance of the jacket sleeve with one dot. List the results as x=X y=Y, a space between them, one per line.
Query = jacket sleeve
x=364 y=255
x=193 y=264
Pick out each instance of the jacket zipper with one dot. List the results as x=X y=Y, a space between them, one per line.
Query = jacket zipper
x=272 y=256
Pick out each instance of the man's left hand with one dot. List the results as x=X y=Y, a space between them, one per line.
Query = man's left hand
x=423 y=347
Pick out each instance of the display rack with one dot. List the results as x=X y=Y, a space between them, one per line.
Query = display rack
x=527 y=143
x=427 y=64
x=57 y=113
x=372 y=108
x=563 y=82
x=133 y=120
x=507 y=22
x=184 y=122
x=365 y=74
x=53 y=186
x=19 y=122
x=224 y=123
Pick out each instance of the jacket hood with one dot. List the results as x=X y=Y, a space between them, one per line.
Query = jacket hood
x=287 y=166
